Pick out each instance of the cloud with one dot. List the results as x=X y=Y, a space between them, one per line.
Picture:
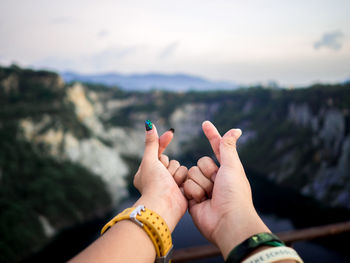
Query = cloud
x=169 y=50
x=331 y=40
x=112 y=56
x=114 y=53
x=4 y=61
x=106 y=59
x=103 y=33
x=62 y=20
x=56 y=63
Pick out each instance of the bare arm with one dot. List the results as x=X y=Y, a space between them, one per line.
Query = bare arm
x=221 y=202
x=126 y=241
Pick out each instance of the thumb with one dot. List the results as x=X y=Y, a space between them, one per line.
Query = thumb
x=151 y=142
x=228 y=151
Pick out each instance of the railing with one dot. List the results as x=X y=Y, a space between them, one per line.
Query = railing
x=289 y=237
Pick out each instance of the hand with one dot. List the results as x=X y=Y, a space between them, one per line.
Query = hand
x=179 y=173
x=221 y=201
x=154 y=179
x=157 y=180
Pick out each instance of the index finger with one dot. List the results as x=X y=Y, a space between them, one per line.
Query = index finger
x=213 y=136
x=164 y=140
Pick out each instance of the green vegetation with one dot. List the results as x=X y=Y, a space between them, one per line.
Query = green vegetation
x=27 y=93
x=261 y=111
x=32 y=183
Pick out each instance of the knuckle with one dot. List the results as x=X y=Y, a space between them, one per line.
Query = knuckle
x=164 y=156
x=191 y=176
x=175 y=163
x=229 y=142
x=186 y=185
x=181 y=172
x=180 y=175
x=183 y=169
x=187 y=189
x=203 y=161
x=150 y=139
x=178 y=178
x=198 y=194
x=207 y=164
x=192 y=172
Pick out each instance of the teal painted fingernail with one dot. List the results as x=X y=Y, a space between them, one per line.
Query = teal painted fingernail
x=148 y=125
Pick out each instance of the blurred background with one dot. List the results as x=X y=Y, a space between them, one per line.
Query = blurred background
x=79 y=78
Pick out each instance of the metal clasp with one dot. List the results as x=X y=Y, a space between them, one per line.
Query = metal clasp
x=135 y=212
x=167 y=257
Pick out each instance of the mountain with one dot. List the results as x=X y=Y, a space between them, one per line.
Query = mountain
x=146 y=82
x=68 y=152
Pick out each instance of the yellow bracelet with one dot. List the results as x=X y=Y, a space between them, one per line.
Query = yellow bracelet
x=153 y=224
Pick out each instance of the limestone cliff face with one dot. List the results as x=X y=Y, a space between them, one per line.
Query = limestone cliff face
x=188 y=122
x=102 y=160
x=92 y=153
x=317 y=162
x=10 y=83
x=329 y=182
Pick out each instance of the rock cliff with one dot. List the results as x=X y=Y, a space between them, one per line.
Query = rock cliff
x=72 y=143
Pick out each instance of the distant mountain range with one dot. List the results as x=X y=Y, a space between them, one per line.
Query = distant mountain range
x=145 y=82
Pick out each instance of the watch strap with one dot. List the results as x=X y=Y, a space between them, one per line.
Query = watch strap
x=153 y=224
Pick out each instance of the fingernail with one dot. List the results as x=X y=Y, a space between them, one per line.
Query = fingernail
x=148 y=125
x=172 y=130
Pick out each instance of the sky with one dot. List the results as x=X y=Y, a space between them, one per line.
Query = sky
x=291 y=42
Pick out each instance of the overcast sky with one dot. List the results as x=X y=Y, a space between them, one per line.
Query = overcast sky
x=291 y=42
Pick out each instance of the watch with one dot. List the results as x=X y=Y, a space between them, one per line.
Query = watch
x=153 y=224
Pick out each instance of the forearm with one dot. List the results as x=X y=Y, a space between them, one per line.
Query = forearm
x=126 y=240
x=229 y=235
x=121 y=243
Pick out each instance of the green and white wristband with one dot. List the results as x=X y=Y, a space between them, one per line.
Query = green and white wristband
x=250 y=244
x=274 y=254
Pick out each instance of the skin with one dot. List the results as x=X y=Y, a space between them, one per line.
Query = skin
x=220 y=198
x=160 y=192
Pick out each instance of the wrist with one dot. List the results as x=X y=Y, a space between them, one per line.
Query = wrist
x=163 y=206
x=231 y=231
